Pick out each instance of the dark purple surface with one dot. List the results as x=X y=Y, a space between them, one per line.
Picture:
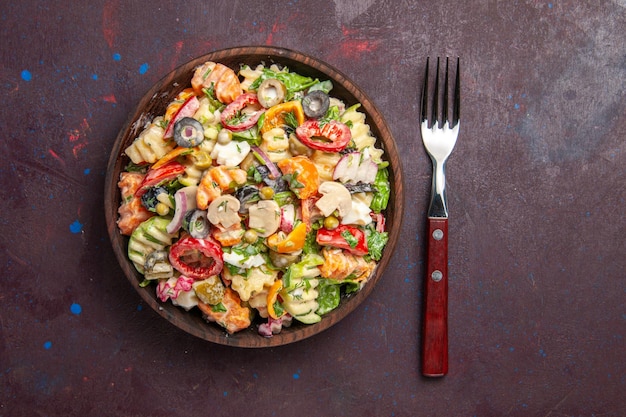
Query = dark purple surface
x=537 y=201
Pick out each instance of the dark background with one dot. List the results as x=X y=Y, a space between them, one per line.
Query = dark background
x=537 y=202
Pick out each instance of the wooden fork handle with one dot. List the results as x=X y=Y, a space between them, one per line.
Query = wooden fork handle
x=435 y=322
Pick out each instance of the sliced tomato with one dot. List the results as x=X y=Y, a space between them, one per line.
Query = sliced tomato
x=349 y=238
x=234 y=119
x=332 y=136
x=166 y=172
x=197 y=258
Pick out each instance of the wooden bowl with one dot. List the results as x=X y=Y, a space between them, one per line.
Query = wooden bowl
x=154 y=104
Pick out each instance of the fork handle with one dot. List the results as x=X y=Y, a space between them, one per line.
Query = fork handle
x=435 y=323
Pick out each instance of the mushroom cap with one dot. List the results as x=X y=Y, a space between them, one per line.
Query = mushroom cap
x=335 y=196
x=223 y=210
x=264 y=217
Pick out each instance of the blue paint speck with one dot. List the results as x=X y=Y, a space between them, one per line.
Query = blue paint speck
x=143 y=68
x=76 y=227
x=549 y=5
x=542 y=353
x=75 y=308
x=117 y=57
x=94 y=76
x=87 y=171
x=296 y=375
x=516 y=106
x=139 y=307
x=47 y=345
x=225 y=393
x=26 y=75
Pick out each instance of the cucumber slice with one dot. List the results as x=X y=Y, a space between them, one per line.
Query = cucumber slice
x=149 y=236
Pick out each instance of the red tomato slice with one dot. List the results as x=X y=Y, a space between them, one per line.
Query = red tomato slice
x=166 y=172
x=197 y=258
x=357 y=245
x=332 y=136
x=232 y=117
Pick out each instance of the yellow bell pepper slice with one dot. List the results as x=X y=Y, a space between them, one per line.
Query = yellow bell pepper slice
x=292 y=242
x=275 y=115
x=272 y=296
x=173 y=154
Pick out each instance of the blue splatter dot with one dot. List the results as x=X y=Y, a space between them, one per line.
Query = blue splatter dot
x=94 y=76
x=139 y=307
x=47 y=345
x=87 y=171
x=296 y=375
x=117 y=57
x=549 y=5
x=76 y=227
x=75 y=308
x=143 y=68
x=225 y=393
x=26 y=75
x=516 y=106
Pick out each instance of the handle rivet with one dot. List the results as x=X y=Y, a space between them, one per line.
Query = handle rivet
x=436 y=276
x=438 y=234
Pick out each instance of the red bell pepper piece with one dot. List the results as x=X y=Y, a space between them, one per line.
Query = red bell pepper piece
x=232 y=117
x=332 y=136
x=166 y=172
x=197 y=258
x=187 y=109
x=345 y=237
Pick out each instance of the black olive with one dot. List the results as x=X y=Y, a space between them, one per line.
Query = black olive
x=188 y=132
x=361 y=187
x=315 y=104
x=150 y=198
x=196 y=223
x=278 y=184
x=245 y=194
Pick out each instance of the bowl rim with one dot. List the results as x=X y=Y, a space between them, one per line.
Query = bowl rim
x=134 y=124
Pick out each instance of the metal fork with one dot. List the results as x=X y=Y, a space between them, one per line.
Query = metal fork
x=439 y=134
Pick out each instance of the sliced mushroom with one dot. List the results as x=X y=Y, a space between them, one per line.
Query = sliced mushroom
x=335 y=196
x=223 y=210
x=264 y=217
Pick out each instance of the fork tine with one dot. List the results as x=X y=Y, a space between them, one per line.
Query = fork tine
x=444 y=111
x=435 y=109
x=425 y=94
x=456 y=115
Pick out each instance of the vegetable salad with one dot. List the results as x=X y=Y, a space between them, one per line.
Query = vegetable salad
x=256 y=196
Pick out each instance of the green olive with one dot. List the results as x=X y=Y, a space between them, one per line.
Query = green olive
x=331 y=222
x=271 y=92
x=209 y=291
x=283 y=260
x=266 y=193
x=250 y=236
